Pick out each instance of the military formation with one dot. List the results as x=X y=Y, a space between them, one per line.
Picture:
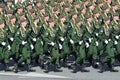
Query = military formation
x=50 y=31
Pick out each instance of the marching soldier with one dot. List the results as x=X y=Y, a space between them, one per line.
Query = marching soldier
x=4 y=47
x=24 y=47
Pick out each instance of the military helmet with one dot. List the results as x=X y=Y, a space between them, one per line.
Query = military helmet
x=12 y=17
x=50 y=20
x=106 y=18
x=104 y=7
x=9 y=11
x=2 y=5
x=9 y=0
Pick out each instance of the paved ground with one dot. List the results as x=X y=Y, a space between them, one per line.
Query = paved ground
x=65 y=75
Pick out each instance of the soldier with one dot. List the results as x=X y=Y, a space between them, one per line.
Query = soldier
x=91 y=7
x=114 y=6
x=106 y=11
x=82 y=11
x=10 y=5
x=108 y=54
x=89 y=22
x=4 y=47
x=24 y=48
x=36 y=47
x=79 y=46
x=97 y=18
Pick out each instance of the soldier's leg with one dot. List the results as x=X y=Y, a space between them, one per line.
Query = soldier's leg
x=6 y=60
x=111 y=65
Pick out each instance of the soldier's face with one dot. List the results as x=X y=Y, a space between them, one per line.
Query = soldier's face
x=91 y=8
x=42 y=11
x=38 y=4
x=94 y=0
x=19 y=1
x=86 y=2
x=24 y=24
x=79 y=23
x=62 y=3
x=107 y=10
x=22 y=17
x=9 y=3
x=67 y=9
x=51 y=24
x=33 y=14
x=116 y=17
x=46 y=1
x=108 y=1
x=20 y=10
x=97 y=15
x=56 y=12
x=100 y=5
x=115 y=7
x=107 y=21
x=89 y=19
x=74 y=16
x=46 y=18
x=62 y=19
x=83 y=11
x=2 y=26
x=1 y=9
x=70 y=1
x=13 y=21
x=36 y=21
x=77 y=6
x=29 y=7
x=8 y=15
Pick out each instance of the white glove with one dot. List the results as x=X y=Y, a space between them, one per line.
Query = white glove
x=9 y=48
x=18 y=32
x=46 y=34
x=71 y=41
x=90 y=40
x=97 y=43
x=52 y=43
x=60 y=46
x=23 y=42
x=3 y=43
x=109 y=39
x=96 y=34
x=80 y=42
x=101 y=31
x=87 y=45
x=42 y=42
x=32 y=47
x=115 y=42
x=106 y=42
x=34 y=39
x=117 y=37
x=12 y=39
x=62 y=39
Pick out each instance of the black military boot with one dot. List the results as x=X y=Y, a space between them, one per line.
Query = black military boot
x=46 y=67
x=15 y=69
x=101 y=68
x=83 y=69
x=57 y=68
x=74 y=67
x=111 y=68
x=41 y=64
x=96 y=64
x=7 y=67
x=29 y=68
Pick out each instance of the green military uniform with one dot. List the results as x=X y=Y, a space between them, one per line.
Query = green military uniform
x=4 y=47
